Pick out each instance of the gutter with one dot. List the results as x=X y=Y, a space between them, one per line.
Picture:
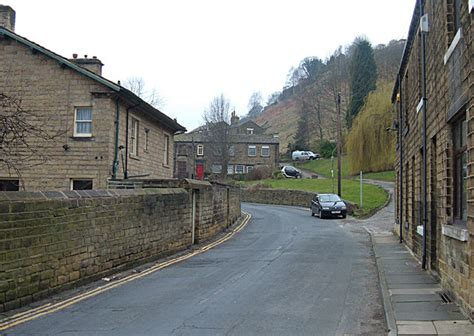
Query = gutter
x=116 y=149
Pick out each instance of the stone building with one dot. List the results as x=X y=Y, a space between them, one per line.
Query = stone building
x=249 y=147
x=435 y=181
x=101 y=130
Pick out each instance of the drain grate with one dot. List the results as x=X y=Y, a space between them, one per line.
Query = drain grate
x=445 y=297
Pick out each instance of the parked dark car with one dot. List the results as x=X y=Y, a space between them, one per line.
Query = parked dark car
x=328 y=205
x=290 y=171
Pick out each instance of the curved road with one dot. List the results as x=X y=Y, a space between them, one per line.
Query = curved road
x=286 y=273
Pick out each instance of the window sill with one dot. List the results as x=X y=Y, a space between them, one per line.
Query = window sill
x=453 y=46
x=134 y=157
x=456 y=232
x=165 y=165
x=83 y=138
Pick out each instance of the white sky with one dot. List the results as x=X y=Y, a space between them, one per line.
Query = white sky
x=193 y=50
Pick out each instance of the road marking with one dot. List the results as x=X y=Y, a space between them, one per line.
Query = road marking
x=54 y=307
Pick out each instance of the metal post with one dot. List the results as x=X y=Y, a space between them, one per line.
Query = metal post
x=339 y=145
x=360 y=178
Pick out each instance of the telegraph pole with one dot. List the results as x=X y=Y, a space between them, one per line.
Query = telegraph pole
x=339 y=145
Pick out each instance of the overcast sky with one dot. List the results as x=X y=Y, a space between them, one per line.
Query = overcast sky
x=193 y=50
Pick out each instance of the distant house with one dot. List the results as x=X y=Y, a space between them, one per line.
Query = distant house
x=106 y=131
x=249 y=147
x=433 y=97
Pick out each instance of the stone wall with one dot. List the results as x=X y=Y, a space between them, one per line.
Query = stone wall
x=51 y=241
x=449 y=91
x=276 y=196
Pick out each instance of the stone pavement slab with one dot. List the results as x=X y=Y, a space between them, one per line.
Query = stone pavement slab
x=412 y=302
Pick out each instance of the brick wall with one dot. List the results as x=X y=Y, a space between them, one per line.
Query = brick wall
x=51 y=241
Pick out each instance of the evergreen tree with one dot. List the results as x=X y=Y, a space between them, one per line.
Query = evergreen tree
x=363 y=76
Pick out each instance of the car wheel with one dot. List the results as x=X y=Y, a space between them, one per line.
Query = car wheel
x=312 y=213
x=343 y=216
x=321 y=215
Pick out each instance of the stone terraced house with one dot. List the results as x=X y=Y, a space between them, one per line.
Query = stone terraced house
x=103 y=131
x=433 y=97
x=249 y=147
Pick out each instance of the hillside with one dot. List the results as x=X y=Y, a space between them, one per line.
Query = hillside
x=316 y=100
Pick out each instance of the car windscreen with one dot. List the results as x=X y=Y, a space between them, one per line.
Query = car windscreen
x=329 y=198
x=290 y=170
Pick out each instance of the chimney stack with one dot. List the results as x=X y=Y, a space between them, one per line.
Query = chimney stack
x=234 y=119
x=92 y=64
x=7 y=17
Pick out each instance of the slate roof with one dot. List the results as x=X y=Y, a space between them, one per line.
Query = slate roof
x=122 y=93
x=250 y=139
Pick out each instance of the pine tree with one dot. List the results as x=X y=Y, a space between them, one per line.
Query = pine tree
x=363 y=76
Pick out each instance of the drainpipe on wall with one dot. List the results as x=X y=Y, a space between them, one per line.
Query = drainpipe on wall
x=400 y=143
x=116 y=149
x=423 y=87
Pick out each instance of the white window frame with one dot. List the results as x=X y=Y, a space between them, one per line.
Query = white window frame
x=261 y=151
x=82 y=135
x=230 y=169
x=249 y=169
x=166 y=150
x=135 y=125
x=80 y=179
x=241 y=170
x=216 y=168
x=252 y=147
x=250 y=131
x=200 y=150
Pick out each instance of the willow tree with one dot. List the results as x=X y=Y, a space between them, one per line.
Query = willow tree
x=370 y=147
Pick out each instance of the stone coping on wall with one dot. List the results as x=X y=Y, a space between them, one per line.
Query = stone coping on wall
x=171 y=183
x=20 y=196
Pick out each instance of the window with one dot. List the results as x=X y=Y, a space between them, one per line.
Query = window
x=166 y=159
x=252 y=151
x=249 y=169
x=239 y=169
x=147 y=139
x=266 y=151
x=216 y=168
x=453 y=18
x=83 y=122
x=81 y=184
x=460 y=170
x=230 y=169
x=249 y=131
x=9 y=185
x=134 y=138
x=232 y=150
x=200 y=150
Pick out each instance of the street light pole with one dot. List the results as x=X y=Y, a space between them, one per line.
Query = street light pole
x=339 y=145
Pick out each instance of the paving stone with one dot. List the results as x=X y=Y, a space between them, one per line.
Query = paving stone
x=402 y=291
x=416 y=298
x=461 y=327
x=416 y=328
x=409 y=279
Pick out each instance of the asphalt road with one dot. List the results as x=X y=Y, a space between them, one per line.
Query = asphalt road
x=286 y=273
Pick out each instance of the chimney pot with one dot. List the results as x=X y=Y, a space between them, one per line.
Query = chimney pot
x=7 y=17
x=94 y=57
x=85 y=56
x=74 y=56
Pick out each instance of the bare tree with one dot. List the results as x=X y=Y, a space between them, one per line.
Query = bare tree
x=217 y=135
x=255 y=104
x=137 y=86
x=23 y=137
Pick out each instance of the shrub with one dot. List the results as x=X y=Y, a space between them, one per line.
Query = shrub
x=259 y=173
